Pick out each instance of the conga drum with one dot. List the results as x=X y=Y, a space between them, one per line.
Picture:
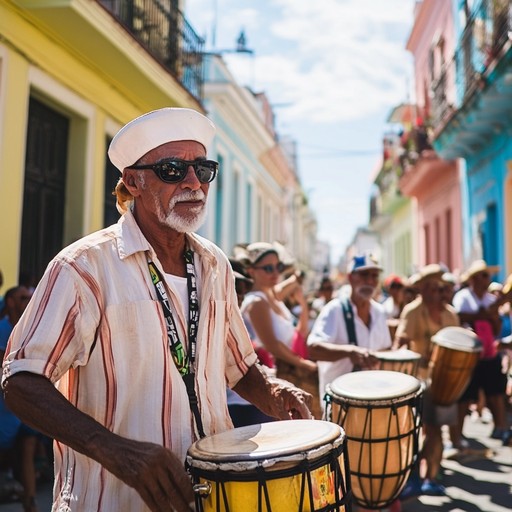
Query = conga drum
x=454 y=356
x=281 y=466
x=380 y=412
x=402 y=360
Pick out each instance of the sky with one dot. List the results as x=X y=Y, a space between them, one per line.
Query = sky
x=332 y=70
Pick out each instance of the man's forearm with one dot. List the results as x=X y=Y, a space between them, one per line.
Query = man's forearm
x=256 y=388
x=275 y=397
x=35 y=400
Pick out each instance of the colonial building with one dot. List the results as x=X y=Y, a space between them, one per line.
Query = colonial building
x=71 y=74
x=433 y=182
x=475 y=124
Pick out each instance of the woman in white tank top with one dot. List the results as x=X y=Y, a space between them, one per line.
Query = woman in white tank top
x=270 y=319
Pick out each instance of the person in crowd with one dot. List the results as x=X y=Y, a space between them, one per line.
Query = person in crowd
x=242 y=412
x=504 y=310
x=478 y=309
x=323 y=294
x=271 y=321
x=419 y=321
x=410 y=288
x=139 y=326
x=394 y=303
x=12 y=431
x=449 y=287
x=351 y=327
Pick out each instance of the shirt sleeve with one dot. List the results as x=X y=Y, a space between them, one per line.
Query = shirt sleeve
x=402 y=331
x=240 y=353
x=327 y=327
x=58 y=329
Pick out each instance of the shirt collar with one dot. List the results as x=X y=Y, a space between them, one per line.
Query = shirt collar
x=130 y=240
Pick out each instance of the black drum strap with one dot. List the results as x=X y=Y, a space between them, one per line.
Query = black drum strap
x=348 y=314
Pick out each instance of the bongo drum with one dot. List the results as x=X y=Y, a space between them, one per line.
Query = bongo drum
x=380 y=412
x=454 y=356
x=282 y=466
x=402 y=360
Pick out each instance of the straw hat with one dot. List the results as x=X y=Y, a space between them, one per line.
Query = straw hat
x=434 y=270
x=479 y=266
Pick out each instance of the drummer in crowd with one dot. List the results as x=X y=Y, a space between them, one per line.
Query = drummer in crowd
x=139 y=327
x=479 y=310
x=350 y=327
x=419 y=321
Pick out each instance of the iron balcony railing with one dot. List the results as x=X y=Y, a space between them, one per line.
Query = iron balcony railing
x=161 y=28
x=487 y=31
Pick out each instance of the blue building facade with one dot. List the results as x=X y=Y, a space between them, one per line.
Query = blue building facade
x=475 y=125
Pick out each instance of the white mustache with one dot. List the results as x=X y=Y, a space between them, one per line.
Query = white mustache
x=187 y=195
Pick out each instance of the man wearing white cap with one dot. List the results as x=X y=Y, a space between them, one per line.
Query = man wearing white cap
x=139 y=328
x=348 y=329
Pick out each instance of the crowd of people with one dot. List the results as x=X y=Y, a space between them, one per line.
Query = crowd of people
x=144 y=337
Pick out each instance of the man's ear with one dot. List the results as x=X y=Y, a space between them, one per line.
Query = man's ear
x=131 y=182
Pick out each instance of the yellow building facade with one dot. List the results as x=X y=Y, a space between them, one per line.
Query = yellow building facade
x=74 y=62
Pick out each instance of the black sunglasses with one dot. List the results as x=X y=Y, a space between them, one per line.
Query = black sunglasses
x=174 y=170
x=269 y=269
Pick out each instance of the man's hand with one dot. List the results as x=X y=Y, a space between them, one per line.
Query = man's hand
x=275 y=397
x=153 y=471
x=291 y=401
x=363 y=358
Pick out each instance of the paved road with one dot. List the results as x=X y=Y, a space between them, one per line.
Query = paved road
x=477 y=481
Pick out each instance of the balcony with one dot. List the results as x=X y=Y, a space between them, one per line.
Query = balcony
x=165 y=33
x=479 y=71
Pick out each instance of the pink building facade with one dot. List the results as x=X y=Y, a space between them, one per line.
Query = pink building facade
x=434 y=183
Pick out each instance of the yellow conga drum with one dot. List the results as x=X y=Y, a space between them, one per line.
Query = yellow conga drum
x=402 y=360
x=281 y=466
x=454 y=356
x=380 y=412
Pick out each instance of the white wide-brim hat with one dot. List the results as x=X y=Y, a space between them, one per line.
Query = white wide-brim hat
x=158 y=127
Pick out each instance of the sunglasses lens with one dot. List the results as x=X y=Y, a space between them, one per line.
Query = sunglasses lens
x=171 y=172
x=175 y=171
x=205 y=171
x=269 y=269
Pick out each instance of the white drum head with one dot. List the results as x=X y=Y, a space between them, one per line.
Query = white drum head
x=267 y=440
x=402 y=354
x=374 y=385
x=458 y=338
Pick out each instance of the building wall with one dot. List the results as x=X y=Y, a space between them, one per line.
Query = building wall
x=60 y=55
x=261 y=197
x=435 y=183
x=488 y=178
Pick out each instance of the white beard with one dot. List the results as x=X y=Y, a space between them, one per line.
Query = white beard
x=194 y=217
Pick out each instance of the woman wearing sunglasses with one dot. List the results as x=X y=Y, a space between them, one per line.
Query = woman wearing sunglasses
x=271 y=321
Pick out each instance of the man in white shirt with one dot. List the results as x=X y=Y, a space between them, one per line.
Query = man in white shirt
x=342 y=341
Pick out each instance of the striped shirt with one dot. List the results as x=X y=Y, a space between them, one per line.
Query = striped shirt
x=95 y=328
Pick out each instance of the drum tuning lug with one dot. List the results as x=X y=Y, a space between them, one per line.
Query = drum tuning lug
x=204 y=490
